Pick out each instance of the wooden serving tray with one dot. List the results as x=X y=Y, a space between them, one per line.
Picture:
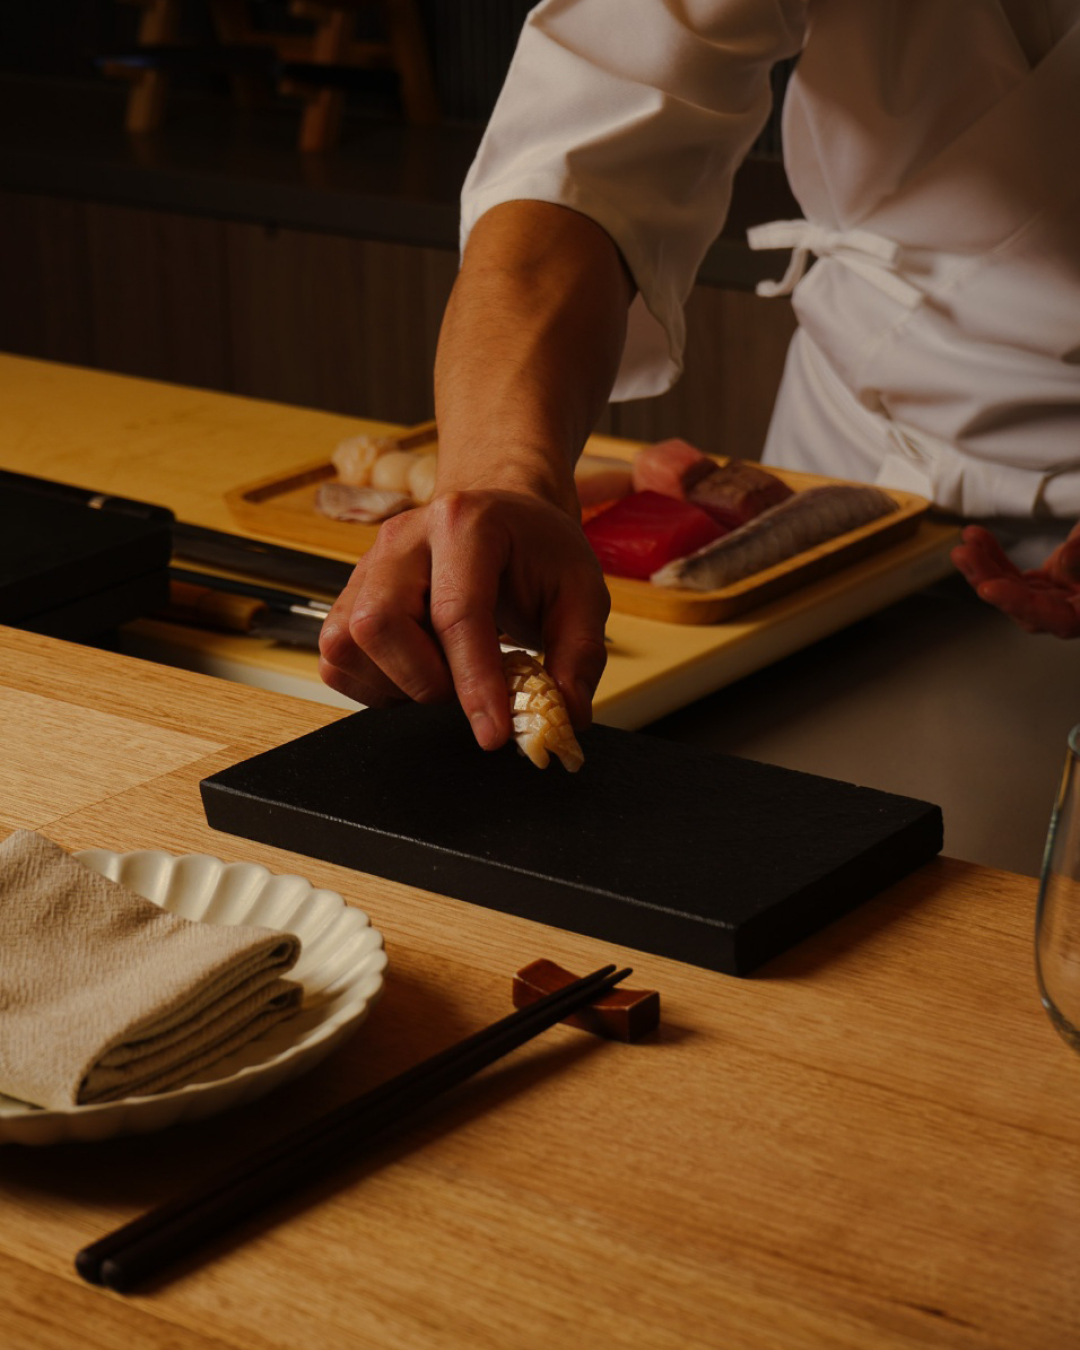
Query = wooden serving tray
x=283 y=506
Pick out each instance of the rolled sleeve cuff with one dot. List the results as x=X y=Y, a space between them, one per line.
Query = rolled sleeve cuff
x=652 y=358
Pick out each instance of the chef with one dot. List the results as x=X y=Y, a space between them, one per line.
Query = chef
x=934 y=149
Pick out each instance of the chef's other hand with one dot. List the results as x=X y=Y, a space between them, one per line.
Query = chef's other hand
x=1043 y=600
x=421 y=615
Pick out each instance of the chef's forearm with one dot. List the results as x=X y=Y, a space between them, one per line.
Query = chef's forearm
x=528 y=350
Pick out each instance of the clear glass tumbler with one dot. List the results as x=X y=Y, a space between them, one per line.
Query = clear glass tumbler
x=1057 y=922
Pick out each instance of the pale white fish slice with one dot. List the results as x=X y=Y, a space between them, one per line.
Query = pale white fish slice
x=354 y=458
x=391 y=471
x=365 y=505
x=422 y=478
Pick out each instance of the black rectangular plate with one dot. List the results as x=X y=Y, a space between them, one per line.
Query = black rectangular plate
x=713 y=860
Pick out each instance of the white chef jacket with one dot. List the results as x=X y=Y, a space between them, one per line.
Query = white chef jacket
x=934 y=148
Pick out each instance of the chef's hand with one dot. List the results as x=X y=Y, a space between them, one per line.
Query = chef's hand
x=421 y=616
x=1043 y=600
x=528 y=349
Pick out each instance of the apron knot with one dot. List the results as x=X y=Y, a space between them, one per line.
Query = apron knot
x=872 y=256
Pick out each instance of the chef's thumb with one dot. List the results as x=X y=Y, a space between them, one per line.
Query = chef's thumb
x=1065 y=566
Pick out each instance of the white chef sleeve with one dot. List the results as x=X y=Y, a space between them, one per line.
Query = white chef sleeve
x=636 y=113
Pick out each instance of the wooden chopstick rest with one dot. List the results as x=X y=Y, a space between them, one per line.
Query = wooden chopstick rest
x=619 y=1015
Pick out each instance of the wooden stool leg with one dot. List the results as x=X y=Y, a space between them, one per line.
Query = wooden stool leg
x=232 y=24
x=408 y=48
x=330 y=44
x=146 y=101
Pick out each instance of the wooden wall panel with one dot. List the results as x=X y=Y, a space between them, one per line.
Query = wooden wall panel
x=158 y=294
x=735 y=348
x=45 y=306
x=344 y=324
x=322 y=321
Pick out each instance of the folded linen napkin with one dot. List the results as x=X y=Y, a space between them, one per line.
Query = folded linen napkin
x=105 y=995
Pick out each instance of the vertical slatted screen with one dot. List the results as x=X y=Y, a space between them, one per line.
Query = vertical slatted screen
x=472 y=42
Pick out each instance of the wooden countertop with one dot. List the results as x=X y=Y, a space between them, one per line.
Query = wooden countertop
x=186 y=448
x=873 y=1143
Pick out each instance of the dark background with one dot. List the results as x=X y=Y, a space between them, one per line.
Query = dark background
x=213 y=253
x=470 y=43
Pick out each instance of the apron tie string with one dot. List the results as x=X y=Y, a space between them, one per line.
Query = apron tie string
x=872 y=256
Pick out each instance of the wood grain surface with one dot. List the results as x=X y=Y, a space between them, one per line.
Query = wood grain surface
x=189 y=448
x=873 y=1143
x=265 y=309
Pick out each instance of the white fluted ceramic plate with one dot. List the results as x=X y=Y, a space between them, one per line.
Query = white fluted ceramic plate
x=341 y=968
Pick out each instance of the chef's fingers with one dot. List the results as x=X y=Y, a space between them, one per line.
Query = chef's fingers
x=574 y=650
x=376 y=638
x=1063 y=565
x=336 y=624
x=342 y=666
x=981 y=558
x=469 y=554
x=389 y=616
x=1035 y=609
x=371 y=687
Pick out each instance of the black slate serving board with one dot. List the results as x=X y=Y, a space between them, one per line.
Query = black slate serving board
x=717 y=861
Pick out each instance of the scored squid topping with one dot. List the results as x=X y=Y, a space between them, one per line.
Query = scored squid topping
x=541 y=723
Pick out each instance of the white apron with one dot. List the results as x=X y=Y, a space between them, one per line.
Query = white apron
x=939 y=342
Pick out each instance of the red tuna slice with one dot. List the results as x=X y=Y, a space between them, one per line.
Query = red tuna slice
x=642 y=532
x=671 y=467
x=736 y=492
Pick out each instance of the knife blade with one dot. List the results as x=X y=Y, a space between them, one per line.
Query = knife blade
x=271 y=562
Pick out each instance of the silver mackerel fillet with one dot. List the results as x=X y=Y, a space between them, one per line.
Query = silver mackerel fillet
x=803 y=521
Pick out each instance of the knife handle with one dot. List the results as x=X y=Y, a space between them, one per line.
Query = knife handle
x=208 y=608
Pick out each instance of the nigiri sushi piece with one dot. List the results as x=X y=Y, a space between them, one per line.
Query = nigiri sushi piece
x=390 y=472
x=803 y=521
x=541 y=723
x=601 y=478
x=736 y=492
x=354 y=458
x=422 y=478
x=670 y=467
x=645 y=530
x=366 y=505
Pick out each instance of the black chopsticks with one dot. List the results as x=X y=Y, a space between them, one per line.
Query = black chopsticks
x=146 y=1245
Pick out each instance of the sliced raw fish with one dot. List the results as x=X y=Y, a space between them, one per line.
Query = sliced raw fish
x=422 y=478
x=641 y=532
x=390 y=472
x=355 y=458
x=365 y=505
x=601 y=478
x=736 y=492
x=806 y=519
x=671 y=467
